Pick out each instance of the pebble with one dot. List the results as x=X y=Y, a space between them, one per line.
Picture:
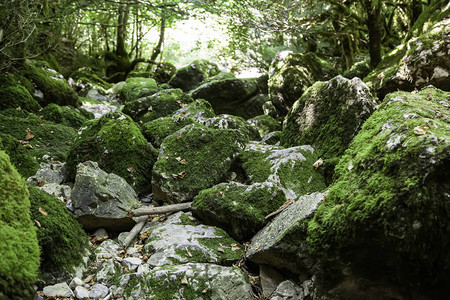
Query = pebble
x=81 y=292
x=98 y=291
x=76 y=282
x=58 y=290
x=132 y=263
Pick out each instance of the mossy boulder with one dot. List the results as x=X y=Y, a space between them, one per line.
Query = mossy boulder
x=290 y=74
x=291 y=169
x=239 y=209
x=157 y=130
x=116 y=143
x=198 y=110
x=181 y=239
x=229 y=96
x=63 y=115
x=191 y=76
x=386 y=216
x=54 y=87
x=62 y=241
x=87 y=77
x=415 y=64
x=245 y=130
x=265 y=124
x=21 y=158
x=18 y=242
x=39 y=137
x=192 y=159
x=328 y=116
x=138 y=87
x=161 y=104
x=359 y=69
x=14 y=95
x=163 y=72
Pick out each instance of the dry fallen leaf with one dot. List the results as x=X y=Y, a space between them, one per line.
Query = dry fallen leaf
x=258 y=246
x=421 y=130
x=180 y=103
x=179 y=137
x=220 y=250
x=130 y=169
x=29 y=136
x=282 y=207
x=166 y=157
x=318 y=163
x=184 y=280
x=183 y=161
x=37 y=223
x=144 y=235
x=205 y=290
x=150 y=108
x=220 y=193
x=28 y=146
x=188 y=253
x=42 y=211
x=105 y=132
x=235 y=247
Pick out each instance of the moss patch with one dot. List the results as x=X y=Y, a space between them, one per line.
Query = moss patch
x=116 y=143
x=61 y=238
x=21 y=158
x=63 y=115
x=155 y=131
x=138 y=87
x=190 y=76
x=18 y=242
x=265 y=124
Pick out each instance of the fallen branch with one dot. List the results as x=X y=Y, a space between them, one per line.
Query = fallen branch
x=160 y=209
x=135 y=231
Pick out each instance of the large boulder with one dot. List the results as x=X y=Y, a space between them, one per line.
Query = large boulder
x=161 y=104
x=14 y=95
x=192 y=159
x=138 y=87
x=18 y=243
x=328 y=116
x=102 y=200
x=62 y=241
x=198 y=110
x=291 y=169
x=282 y=243
x=21 y=158
x=290 y=74
x=421 y=61
x=239 y=209
x=52 y=85
x=181 y=240
x=246 y=130
x=264 y=124
x=116 y=143
x=63 y=115
x=386 y=216
x=157 y=130
x=231 y=96
x=190 y=76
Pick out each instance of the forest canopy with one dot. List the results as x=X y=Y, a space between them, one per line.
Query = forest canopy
x=126 y=34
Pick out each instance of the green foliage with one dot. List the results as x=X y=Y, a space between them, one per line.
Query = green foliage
x=116 y=143
x=63 y=115
x=21 y=158
x=18 y=242
x=61 y=238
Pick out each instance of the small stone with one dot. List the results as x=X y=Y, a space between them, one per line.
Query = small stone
x=98 y=291
x=58 y=290
x=75 y=282
x=81 y=292
x=132 y=263
x=101 y=234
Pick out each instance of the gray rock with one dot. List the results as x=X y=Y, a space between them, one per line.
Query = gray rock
x=58 y=290
x=101 y=199
x=177 y=242
x=189 y=281
x=98 y=291
x=95 y=94
x=270 y=279
x=52 y=172
x=75 y=282
x=247 y=131
x=282 y=243
x=61 y=191
x=101 y=234
x=287 y=290
x=191 y=76
x=81 y=292
x=131 y=263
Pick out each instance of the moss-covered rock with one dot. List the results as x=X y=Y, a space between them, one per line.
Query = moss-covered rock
x=419 y=62
x=116 y=143
x=291 y=169
x=52 y=84
x=62 y=241
x=63 y=115
x=190 y=76
x=157 y=130
x=21 y=158
x=264 y=124
x=161 y=104
x=198 y=110
x=18 y=242
x=38 y=136
x=192 y=159
x=292 y=73
x=14 y=95
x=386 y=216
x=245 y=130
x=360 y=69
x=86 y=76
x=229 y=96
x=163 y=72
x=138 y=87
x=328 y=116
x=237 y=208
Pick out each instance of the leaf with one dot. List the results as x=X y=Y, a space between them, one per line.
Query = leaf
x=235 y=247
x=28 y=146
x=150 y=108
x=130 y=169
x=183 y=161
x=205 y=290
x=188 y=253
x=29 y=136
x=421 y=130
x=42 y=211
x=37 y=223
x=318 y=163
x=184 y=280
x=144 y=235
x=220 y=193
x=179 y=137
x=220 y=250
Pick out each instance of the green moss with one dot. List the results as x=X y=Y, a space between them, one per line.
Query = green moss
x=197 y=110
x=193 y=143
x=155 y=131
x=18 y=242
x=84 y=76
x=389 y=198
x=17 y=97
x=20 y=157
x=159 y=105
x=54 y=87
x=239 y=209
x=52 y=62
x=190 y=76
x=61 y=238
x=232 y=251
x=63 y=115
x=186 y=220
x=117 y=144
x=265 y=124
x=138 y=87
x=49 y=138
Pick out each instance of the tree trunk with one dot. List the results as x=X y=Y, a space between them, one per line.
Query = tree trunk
x=374 y=25
x=416 y=11
x=124 y=12
x=157 y=49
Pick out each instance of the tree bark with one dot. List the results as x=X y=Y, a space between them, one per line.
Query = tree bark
x=416 y=11
x=374 y=26
x=161 y=209
x=124 y=13
x=157 y=49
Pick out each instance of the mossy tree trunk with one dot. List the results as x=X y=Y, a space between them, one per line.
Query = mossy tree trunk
x=157 y=49
x=123 y=14
x=374 y=26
